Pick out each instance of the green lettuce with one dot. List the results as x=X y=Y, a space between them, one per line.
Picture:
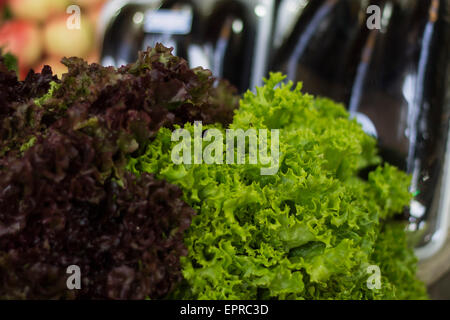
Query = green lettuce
x=311 y=231
x=10 y=62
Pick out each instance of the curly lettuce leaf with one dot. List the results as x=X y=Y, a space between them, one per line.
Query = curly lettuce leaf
x=309 y=231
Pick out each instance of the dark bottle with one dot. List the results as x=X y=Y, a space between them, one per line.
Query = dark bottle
x=317 y=48
x=394 y=80
x=402 y=92
x=121 y=26
x=238 y=33
x=229 y=37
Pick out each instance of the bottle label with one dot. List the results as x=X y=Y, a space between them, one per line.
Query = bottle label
x=168 y=21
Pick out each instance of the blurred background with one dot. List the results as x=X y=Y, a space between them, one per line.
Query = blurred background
x=36 y=32
x=387 y=61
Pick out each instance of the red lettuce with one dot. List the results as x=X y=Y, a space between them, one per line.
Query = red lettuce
x=65 y=196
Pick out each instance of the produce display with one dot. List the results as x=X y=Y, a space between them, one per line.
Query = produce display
x=65 y=196
x=87 y=179
x=36 y=32
x=310 y=231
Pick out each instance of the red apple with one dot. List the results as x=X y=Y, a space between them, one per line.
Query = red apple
x=94 y=12
x=93 y=57
x=60 y=41
x=57 y=67
x=88 y=3
x=23 y=72
x=57 y=6
x=37 y=10
x=23 y=39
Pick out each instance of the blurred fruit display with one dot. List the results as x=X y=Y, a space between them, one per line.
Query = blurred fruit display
x=38 y=32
